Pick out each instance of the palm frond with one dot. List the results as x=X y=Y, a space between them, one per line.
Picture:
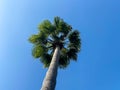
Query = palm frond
x=40 y=38
x=38 y=51
x=72 y=54
x=64 y=28
x=61 y=27
x=46 y=27
x=63 y=61
x=34 y=39
x=75 y=41
x=74 y=46
x=46 y=59
x=57 y=21
x=74 y=36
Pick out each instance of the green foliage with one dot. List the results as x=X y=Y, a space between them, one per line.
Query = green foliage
x=38 y=51
x=46 y=27
x=40 y=38
x=50 y=35
x=61 y=26
x=64 y=60
x=46 y=59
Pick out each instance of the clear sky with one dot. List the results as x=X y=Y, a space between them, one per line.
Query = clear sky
x=98 y=65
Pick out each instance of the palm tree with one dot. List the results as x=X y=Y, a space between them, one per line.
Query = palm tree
x=55 y=44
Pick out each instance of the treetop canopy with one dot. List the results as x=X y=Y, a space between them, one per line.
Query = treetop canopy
x=50 y=35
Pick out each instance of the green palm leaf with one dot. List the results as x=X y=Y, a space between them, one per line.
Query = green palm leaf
x=46 y=59
x=38 y=51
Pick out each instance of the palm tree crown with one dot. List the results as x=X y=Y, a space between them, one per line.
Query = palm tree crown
x=50 y=35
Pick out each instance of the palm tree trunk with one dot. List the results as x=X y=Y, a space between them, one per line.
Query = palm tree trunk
x=50 y=78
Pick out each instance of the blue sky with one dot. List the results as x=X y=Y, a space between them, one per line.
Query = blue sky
x=98 y=65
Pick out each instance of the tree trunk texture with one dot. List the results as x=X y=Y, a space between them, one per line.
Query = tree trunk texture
x=50 y=78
